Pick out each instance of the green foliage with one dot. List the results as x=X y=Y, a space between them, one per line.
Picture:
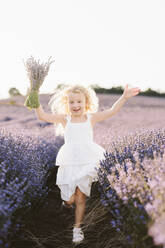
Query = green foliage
x=61 y=86
x=120 y=89
x=12 y=102
x=150 y=92
x=14 y=92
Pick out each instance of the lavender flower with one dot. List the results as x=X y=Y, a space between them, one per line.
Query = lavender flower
x=23 y=176
x=134 y=192
x=36 y=72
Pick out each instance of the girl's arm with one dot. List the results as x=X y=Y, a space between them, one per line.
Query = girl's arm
x=52 y=118
x=104 y=115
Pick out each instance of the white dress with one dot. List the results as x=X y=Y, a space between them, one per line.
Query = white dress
x=77 y=159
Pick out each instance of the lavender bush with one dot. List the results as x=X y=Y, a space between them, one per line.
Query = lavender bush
x=132 y=187
x=26 y=164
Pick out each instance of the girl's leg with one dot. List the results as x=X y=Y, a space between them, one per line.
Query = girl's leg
x=80 y=200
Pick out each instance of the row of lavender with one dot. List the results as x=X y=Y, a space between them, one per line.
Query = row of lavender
x=131 y=182
x=26 y=163
x=132 y=187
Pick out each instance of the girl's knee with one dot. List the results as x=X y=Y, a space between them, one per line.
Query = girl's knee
x=80 y=197
x=80 y=200
x=71 y=200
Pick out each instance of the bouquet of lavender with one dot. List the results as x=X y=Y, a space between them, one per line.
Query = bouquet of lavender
x=36 y=73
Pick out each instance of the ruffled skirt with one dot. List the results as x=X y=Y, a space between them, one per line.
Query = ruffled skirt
x=77 y=167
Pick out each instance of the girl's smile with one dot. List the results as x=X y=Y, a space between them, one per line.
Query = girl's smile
x=77 y=103
x=76 y=110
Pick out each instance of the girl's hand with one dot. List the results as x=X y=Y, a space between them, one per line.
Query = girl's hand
x=130 y=92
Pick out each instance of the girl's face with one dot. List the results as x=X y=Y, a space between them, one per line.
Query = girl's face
x=76 y=103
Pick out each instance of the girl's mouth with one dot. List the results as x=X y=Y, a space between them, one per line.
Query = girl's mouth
x=76 y=110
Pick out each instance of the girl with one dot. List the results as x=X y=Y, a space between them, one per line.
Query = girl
x=75 y=109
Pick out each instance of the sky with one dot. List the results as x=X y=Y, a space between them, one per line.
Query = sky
x=104 y=42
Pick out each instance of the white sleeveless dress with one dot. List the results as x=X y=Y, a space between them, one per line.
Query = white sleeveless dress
x=77 y=159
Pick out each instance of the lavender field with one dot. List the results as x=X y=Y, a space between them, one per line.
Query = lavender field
x=126 y=207
x=138 y=113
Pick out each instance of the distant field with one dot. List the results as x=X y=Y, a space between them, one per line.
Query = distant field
x=139 y=112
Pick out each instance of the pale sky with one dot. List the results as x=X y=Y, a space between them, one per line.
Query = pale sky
x=104 y=42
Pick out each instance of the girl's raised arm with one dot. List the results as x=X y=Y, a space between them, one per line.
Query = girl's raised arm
x=104 y=115
x=52 y=118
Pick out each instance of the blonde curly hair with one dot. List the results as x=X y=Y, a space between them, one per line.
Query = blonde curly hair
x=59 y=101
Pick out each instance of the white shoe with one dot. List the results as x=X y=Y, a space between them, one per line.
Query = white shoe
x=78 y=235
